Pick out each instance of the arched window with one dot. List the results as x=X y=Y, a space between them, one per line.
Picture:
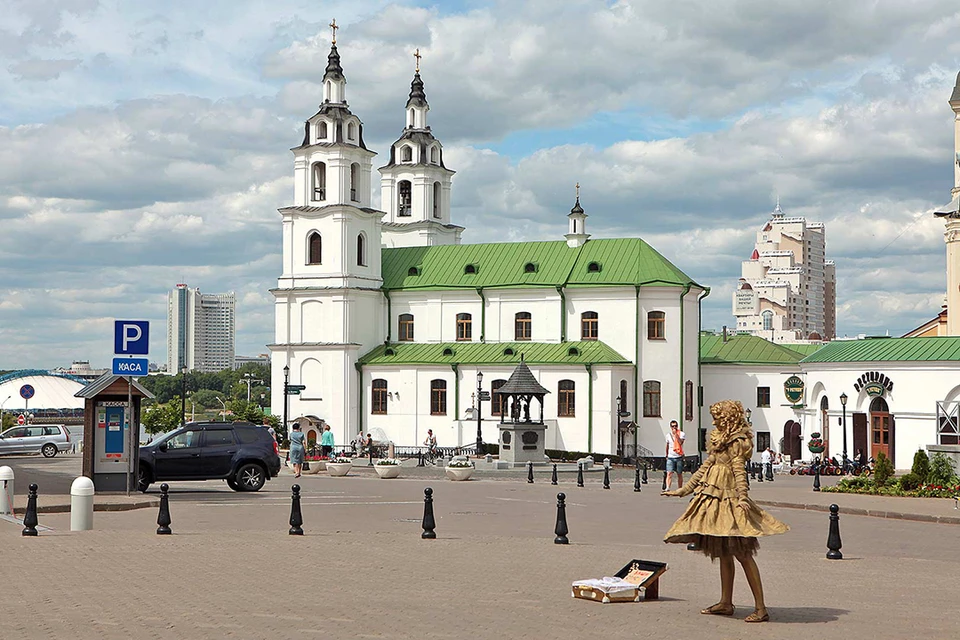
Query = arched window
x=880 y=426
x=354 y=181
x=464 y=327
x=651 y=399
x=361 y=250
x=767 y=320
x=404 y=190
x=321 y=130
x=522 y=326
x=435 y=155
x=405 y=332
x=589 y=325
x=655 y=325
x=378 y=403
x=436 y=199
x=319 y=181
x=566 y=399
x=351 y=131
x=688 y=400
x=496 y=399
x=411 y=121
x=438 y=397
x=327 y=90
x=622 y=406
x=314 y=249
x=825 y=421
x=406 y=153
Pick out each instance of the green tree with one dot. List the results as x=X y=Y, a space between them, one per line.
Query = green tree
x=163 y=417
x=942 y=471
x=882 y=470
x=9 y=421
x=921 y=465
x=206 y=398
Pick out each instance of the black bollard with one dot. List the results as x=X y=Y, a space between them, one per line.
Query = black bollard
x=163 y=518
x=420 y=464
x=643 y=475
x=606 y=477
x=816 y=477
x=561 y=528
x=579 y=474
x=296 y=517
x=636 y=480
x=693 y=546
x=530 y=472
x=30 y=520
x=429 y=525
x=664 y=481
x=833 y=536
x=553 y=478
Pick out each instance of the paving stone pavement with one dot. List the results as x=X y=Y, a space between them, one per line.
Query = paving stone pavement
x=361 y=571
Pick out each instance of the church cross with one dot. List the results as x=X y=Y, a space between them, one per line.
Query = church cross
x=417 y=56
x=333 y=26
x=578 y=191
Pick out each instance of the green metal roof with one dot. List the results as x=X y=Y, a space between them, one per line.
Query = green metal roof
x=744 y=349
x=889 y=350
x=584 y=352
x=805 y=349
x=623 y=261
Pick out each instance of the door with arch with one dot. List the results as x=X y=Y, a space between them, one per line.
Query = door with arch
x=881 y=428
x=792 y=441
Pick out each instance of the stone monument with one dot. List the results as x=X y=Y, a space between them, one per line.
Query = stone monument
x=521 y=435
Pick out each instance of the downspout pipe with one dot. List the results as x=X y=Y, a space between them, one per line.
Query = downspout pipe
x=686 y=290
x=456 y=394
x=483 y=315
x=636 y=380
x=386 y=294
x=563 y=314
x=360 y=395
x=589 y=368
x=703 y=294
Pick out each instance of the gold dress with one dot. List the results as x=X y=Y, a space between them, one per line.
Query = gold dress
x=714 y=520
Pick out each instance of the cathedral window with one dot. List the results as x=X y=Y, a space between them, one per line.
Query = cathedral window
x=404 y=192
x=314 y=249
x=354 y=181
x=589 y=325
x=438 y=397
x=523 y=326
x=351 y=131
x=767 y=320
x=566 y=399
x=361 y=250
x=470 y=269
x=436 y=199
x=319 y=181
x=464 y=327
x=688 y=400
x=655 y=325
x=321 y=131
x=435 y=155
x=651 y=399
x=406 y=154
x=622 y=400
x=405 y=332
x=496 y=399
x=593 y=267
x=378 y=404
x=530 y=268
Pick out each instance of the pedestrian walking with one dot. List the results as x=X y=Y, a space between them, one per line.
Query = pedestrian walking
x=297 y=449
x=766 y=459
x=326 y=441
x=674 y=454
x=269 y=428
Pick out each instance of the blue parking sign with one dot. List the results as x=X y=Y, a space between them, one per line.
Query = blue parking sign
x=131 y=337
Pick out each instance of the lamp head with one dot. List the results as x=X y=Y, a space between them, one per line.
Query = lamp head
x=479 y=377
x=843 y=399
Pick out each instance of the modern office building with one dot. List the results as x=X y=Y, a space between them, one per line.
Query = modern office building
x=201 y=330
x=787 y=291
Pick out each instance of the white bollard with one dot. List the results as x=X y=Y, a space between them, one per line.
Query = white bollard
x=6 y=491
x=81 y=504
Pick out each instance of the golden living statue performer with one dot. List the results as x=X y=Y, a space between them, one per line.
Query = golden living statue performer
x=722 y=520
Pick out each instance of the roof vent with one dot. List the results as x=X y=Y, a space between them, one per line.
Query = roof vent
x=413 y=271
x=470 y=268
x=573 y=351
x=448 y=351
x=389 y=352
x=508 y=351
x=593 y=267
x=530 y=268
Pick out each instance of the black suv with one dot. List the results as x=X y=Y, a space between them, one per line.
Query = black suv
x=243 y=454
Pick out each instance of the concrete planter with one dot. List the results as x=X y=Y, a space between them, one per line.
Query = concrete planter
x=339 y=468
x=316 y=466
x=458 y=473
x=387 y=470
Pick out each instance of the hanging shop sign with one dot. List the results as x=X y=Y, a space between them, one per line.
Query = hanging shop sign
x=874 y=383
x=793 y=389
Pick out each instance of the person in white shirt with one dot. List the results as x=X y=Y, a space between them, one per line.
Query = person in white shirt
x=766 y=459
x=675 y=454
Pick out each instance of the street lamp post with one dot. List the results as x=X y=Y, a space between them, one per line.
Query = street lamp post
x=286 y=384
x=479 y=419
x=1 y=411
x=224 y=405
x=248 y=379
x=843 y=403
x=622 y=413
x=183 y=395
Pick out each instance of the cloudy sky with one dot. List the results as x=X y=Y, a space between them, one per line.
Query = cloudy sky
x=145 y=144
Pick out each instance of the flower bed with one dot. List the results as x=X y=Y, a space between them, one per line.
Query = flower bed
x=894 y=487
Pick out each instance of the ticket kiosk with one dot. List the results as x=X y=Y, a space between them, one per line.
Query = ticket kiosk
x=111 y=430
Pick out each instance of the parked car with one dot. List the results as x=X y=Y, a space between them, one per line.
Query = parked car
x=243 y=454
x=48 y=439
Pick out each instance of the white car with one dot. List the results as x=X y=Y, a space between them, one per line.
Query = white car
x=48 y=439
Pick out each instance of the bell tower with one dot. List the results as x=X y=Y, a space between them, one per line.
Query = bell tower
x=577 y=224
x=415 y=184
x=951 y=215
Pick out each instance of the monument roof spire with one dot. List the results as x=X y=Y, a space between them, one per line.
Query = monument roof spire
x=417 y=96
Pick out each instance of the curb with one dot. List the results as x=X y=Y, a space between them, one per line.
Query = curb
x=105 y=506
x=856 y=511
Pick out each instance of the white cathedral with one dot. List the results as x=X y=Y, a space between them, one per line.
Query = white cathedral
x=392 y=325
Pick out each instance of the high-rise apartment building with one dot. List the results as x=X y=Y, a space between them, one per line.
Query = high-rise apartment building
x=201 y=330
x=787 y=290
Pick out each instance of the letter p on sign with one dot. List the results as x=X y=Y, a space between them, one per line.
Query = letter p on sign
x=131 y=337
